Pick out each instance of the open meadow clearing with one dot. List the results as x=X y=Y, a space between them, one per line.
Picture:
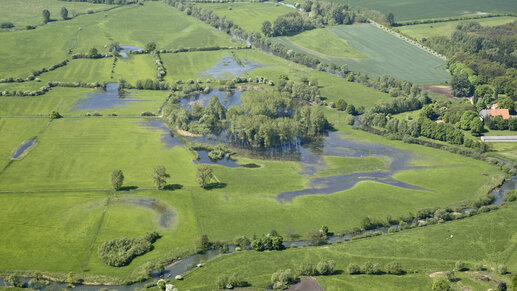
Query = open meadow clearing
x=421 y=31
x=379 y=53
x=421 y=9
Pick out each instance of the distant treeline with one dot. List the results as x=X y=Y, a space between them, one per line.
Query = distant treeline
x=448 y=19
x=117 y=2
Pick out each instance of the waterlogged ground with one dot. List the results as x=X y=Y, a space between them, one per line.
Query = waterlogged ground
x=104 y=99
x=229 y=67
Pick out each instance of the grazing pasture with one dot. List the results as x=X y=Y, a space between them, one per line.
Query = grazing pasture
x=422 y=9
x=384 y=54
x=249 y=16
x=420 y=31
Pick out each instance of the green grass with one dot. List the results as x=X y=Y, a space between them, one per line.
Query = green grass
x=323 y=43
x=341 y=165
x=185 y=66
x=24 y=51
x=81 y=154
x=28 y=12
x=65 y=100
x=385 y=54
x=447 y=28
x=421 y=9
x=249 y=16
x=136 y=67
x=481 y=239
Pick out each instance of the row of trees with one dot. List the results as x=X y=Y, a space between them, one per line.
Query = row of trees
x=204 y=176
x=46 y=14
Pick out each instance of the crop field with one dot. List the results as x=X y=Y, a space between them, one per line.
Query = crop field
x=482 y=239
x=28 y=12
x=38 y=50
x=422 y=9
x=249 y=16
x=383 y=54
x=323 y=43
x=420 y=31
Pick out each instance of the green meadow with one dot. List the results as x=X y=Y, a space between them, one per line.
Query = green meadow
x=422 y=9
x=481 y=239
x=70 y=101
x=249 y=16
x=153 y=21
x=28 y=12
x=420 y=31
x=371 y=51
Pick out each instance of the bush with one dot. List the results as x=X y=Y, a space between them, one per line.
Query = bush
x=350 y=119
x=120 y=252
x=282 y=279
x=371 y=269
x=55 y=115
x=317 y=237
x=230 y=282
x=307 y=269
x=6 y=25
x=326 y=267
x=147 y=113
x=502 y=269
x=353 y=269
x=460 y=266
x=394 y=268
x=441 y=285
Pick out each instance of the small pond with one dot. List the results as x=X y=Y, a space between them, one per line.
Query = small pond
x=229 y=67
x=125 y=49
x=103 y=99
x=227 y=99
x=25 y=146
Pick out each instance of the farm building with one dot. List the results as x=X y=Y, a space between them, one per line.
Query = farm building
x=504 y=113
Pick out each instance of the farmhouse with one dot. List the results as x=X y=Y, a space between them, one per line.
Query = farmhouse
x=504 y=113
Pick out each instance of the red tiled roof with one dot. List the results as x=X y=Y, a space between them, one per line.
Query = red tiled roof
x=504 y=113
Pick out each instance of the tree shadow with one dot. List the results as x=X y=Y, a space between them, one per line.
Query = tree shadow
x=215 y=186
x=128 y=188
x=338 y=272
x=172 y=187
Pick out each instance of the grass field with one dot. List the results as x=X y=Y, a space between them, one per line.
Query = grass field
x=421 y=9
x=447 y=28
x=28 y=12
x=186 y=66
x=341 y=165
x=322 y=43
x=154 y=21
x=67 y=101
x=81 y=153
x=383 y=53
x=481 y=239
x=249 y=16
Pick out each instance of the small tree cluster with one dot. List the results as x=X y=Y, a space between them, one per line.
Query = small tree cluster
x=369 y=268
x=160 y=177
x=230 y=282
x=269 y=242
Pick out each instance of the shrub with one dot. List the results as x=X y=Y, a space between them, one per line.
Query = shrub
x=120 y=252
x=479 y=267
x=460 y=266
x=350 y=119
x=441 y=285
x=353 y=269
x=147 y=113
x=230 y=282
x=282 y=279
x=203 y=244
x=326 y=267
x=55 y=115
x=307 y=269
x=6 y=25
x=371 y=269
x=317 y=237
x=502 y=269
x=394 y=268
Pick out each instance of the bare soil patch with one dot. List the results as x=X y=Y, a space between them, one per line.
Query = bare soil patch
x=306 y=284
